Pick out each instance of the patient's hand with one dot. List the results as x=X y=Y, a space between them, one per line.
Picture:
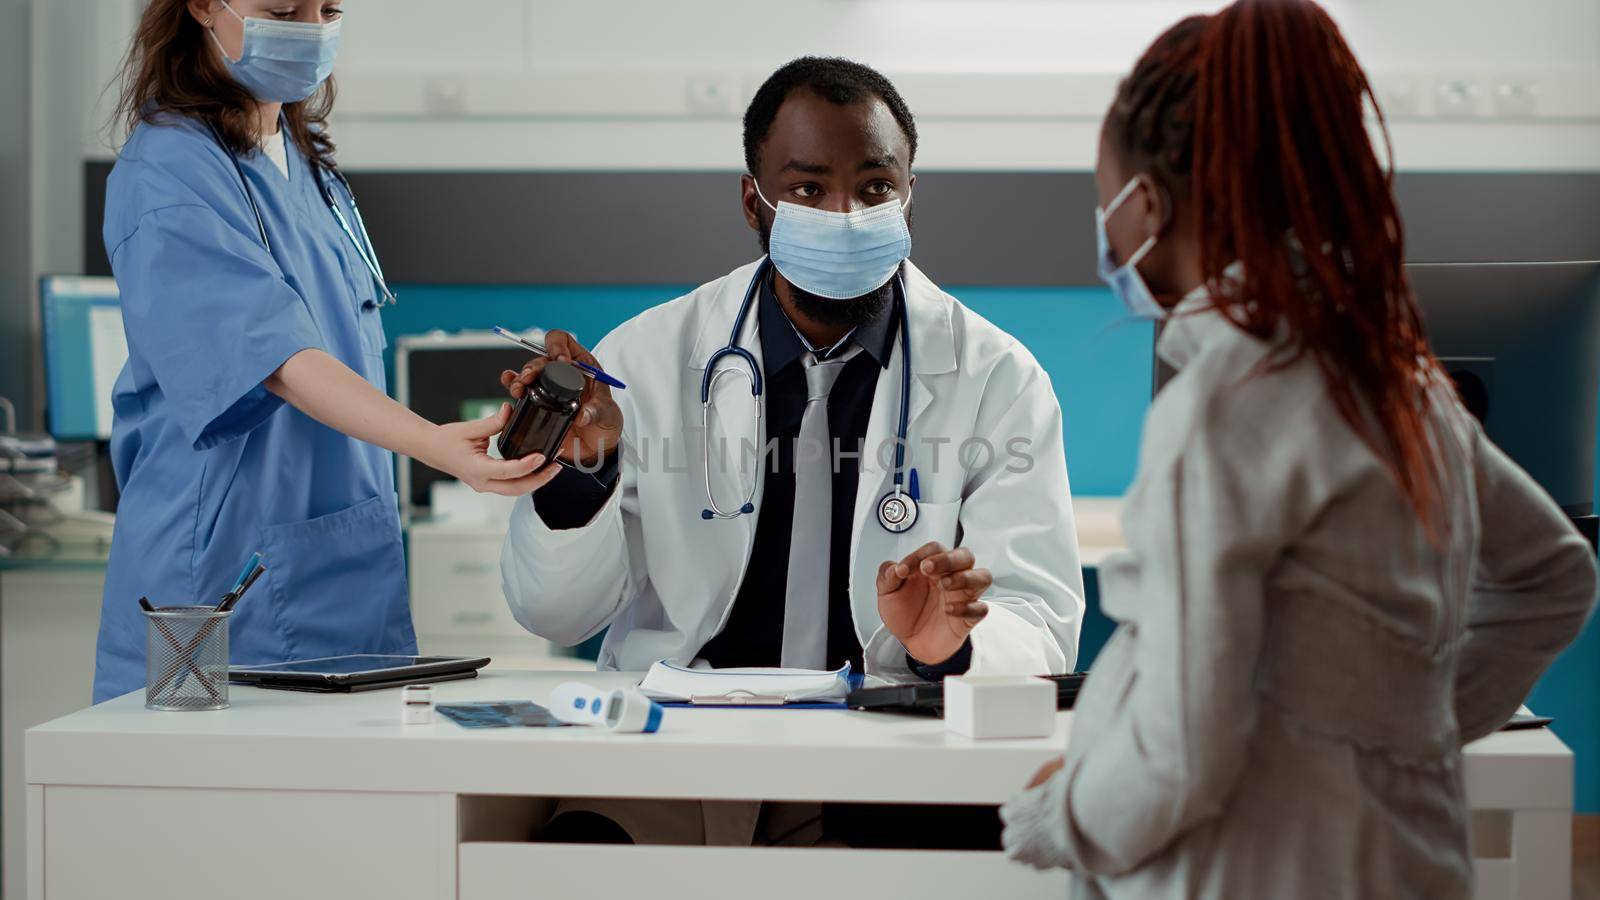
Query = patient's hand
x=1047 y=771
x=929 y=600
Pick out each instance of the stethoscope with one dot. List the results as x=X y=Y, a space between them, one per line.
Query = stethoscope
x=363 y=244
x=897 y=509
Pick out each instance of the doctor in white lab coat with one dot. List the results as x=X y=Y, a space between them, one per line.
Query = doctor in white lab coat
x=664 y=579
x=985 y=579
x=830 y=144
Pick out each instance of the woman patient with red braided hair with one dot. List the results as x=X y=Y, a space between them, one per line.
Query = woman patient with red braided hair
x=1334 y=580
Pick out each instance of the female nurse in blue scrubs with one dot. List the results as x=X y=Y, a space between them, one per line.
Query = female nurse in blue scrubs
x=252 y=413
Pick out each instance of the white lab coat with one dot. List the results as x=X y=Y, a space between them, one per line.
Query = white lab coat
x=665 y=580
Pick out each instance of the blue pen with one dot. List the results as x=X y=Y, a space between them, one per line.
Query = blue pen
x=587 y=369
x=245 y=572
x=232 y=595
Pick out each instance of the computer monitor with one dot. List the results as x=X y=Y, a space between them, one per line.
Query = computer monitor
x=84 y=351
x=1522 y=341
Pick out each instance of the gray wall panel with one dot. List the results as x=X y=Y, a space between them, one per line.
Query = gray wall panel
x=94 y=209
x=970 y=227
x=1476 y=217
x=1005 y=227
x=579 y=227
x=17 y=332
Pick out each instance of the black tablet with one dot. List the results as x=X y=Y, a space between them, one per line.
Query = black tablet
x=929 y=698
x=361 y=671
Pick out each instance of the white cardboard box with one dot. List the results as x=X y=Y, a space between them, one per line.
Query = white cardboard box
x=999 y=706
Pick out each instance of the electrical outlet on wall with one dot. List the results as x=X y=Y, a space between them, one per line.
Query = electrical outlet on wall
x=1399 y=96
x=1515 y=98
x=1458 y=97
x=444 y=97
x=711 y=95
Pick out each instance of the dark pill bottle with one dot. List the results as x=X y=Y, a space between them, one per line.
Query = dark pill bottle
x=545 y=413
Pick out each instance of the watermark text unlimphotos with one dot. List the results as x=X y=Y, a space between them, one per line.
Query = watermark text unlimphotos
x=683 y=454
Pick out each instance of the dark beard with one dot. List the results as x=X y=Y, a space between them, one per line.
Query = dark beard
x=850 y=313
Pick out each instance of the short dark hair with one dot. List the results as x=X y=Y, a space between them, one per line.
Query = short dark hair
x=834 y=79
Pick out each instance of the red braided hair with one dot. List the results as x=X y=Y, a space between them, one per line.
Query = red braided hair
x=1258 y=115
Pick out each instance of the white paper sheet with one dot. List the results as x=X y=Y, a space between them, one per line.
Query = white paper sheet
x=108 y=348
x=669 y=681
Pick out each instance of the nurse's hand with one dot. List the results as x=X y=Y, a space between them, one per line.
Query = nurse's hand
x=598 y=429
x=929 y=600
x=462 y=449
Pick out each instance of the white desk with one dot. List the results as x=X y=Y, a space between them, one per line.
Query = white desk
x=49 y=615
x=329 y=796
x=1099 y=528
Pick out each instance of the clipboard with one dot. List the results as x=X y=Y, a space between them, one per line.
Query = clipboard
x=750 y=700
x=671 y=683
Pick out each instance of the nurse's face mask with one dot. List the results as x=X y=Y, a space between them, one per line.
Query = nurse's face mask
x=836 y=255
x=282 y=62
x=1125 y=280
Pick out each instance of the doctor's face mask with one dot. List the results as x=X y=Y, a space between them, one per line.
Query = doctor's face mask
x=838 y=256
x=281 y=62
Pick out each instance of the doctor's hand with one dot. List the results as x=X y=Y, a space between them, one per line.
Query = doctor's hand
x=598 y=429
x=462 y=449
x=929 y=600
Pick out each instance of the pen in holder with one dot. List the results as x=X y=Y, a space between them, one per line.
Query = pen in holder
x=186 y=658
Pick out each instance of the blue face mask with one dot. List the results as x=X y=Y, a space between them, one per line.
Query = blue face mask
x=837 y=255
x=1125 y=280
x=282 y=62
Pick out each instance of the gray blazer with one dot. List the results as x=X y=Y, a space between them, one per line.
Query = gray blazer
x=1281 y=710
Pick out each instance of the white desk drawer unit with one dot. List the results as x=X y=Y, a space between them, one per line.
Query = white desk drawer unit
x=330 y=795
x=496 y=855
x=509 y=871
x=456 y=597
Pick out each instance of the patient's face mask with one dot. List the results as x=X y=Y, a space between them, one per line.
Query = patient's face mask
x=838 y=255
x=282 y=62
x=1125 y=280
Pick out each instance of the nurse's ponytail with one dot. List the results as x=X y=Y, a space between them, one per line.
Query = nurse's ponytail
x=172 y=69
x=1258 y=114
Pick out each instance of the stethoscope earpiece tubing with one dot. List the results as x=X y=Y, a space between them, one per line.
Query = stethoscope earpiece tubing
x=244 y=185
x=363 y=246
x=752 y=371
x=363 y=243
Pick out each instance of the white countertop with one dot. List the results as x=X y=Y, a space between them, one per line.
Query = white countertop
x=291 y=741
x=1099 y=522
x=294 y=741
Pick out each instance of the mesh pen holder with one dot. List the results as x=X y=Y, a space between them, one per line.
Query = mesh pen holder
x=186 y=658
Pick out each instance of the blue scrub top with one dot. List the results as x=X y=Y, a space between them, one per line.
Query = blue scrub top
x=212 y=466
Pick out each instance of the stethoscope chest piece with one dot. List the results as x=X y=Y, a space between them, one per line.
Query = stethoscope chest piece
x=897 y=512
